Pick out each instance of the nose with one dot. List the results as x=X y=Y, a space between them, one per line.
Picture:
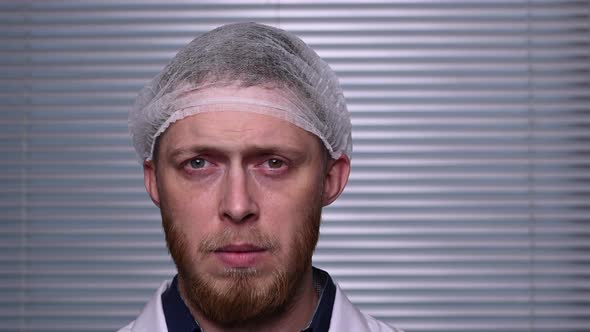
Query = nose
x=238 y=204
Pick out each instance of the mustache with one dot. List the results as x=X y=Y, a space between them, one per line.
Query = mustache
x=230 y=236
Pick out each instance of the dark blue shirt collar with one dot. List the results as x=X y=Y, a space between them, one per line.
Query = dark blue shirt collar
x=179 y=318
x=327 y=294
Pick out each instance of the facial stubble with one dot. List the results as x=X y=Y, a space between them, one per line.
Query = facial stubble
x=244 y=296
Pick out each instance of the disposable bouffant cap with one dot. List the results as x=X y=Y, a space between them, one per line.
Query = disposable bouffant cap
x=215 y=71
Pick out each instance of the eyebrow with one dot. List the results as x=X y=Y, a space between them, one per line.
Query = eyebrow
x=288 y=151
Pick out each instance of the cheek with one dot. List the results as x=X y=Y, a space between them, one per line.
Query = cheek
x=289 y=208
x=188 y=205
x=295 y=195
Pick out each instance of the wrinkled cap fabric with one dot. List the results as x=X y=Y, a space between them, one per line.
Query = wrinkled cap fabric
x=215 y=71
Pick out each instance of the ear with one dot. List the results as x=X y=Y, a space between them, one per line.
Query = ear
x=337 y=173
x=150 y=181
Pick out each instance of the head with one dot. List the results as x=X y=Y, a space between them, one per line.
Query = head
x=245 y=158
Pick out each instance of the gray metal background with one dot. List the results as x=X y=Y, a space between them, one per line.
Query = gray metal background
x=468 y=204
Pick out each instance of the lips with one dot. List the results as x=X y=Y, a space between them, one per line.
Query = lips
x=240 y=248
x=240 y=255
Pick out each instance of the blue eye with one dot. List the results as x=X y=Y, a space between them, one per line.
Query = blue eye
x=197 y=163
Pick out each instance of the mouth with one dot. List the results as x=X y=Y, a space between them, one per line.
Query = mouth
x=240 y=248
x=240 y=255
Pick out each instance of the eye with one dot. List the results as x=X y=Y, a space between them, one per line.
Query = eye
x=275 y=163
x=197 y=163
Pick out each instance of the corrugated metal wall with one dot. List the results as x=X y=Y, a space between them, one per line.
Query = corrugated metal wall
x=469 y=200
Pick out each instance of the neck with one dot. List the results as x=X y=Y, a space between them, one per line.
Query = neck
x=297 y=317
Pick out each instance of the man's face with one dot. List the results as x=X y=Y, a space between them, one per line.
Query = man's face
x=241 y=196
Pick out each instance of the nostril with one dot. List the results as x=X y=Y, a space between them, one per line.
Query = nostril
x=240 y=219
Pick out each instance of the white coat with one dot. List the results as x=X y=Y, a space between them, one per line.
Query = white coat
x=345 y=316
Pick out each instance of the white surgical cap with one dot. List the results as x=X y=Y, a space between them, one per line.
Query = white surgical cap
x=303 y=90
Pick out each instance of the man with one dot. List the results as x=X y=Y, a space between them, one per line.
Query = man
x=244 y=137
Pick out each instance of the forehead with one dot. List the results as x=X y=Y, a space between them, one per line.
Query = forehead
x=231 y=130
